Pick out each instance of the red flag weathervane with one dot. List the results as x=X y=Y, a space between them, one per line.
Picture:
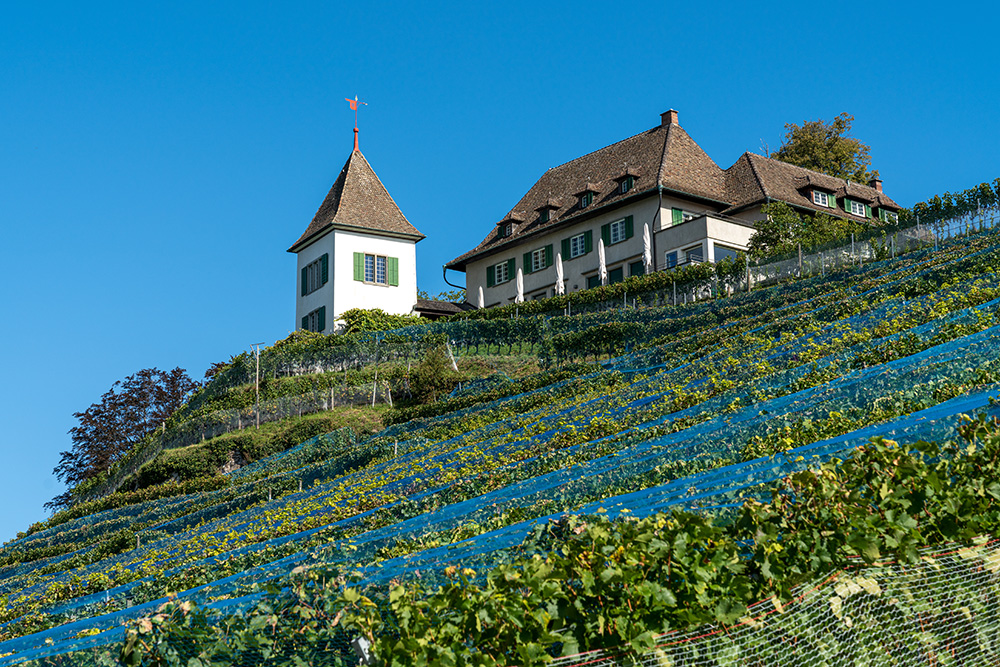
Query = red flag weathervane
x=354 y=107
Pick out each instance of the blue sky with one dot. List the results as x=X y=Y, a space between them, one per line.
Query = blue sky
x=157 y=159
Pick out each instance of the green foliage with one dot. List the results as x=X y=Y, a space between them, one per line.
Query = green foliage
x=785 y=229
x=434 y=376
x=358 y=320
x=827 y=148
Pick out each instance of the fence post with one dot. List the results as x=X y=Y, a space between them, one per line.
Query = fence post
x=800 y=260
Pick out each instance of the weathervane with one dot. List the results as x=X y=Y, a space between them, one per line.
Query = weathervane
x=354 y=107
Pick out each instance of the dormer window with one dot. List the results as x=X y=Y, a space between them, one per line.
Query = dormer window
x=821 y=198
x=586 y=199
x=505 y=229
x=886 y=215
x=626 y=184
x=543 y=215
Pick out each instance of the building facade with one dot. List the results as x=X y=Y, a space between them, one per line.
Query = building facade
x=359 y=251
x=661 y=180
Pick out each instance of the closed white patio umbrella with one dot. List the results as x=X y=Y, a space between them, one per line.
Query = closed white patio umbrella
x=520 y=287
x=647 y=250
x=560 y=287
x=602 y=264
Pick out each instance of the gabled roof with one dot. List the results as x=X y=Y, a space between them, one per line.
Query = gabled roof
x=358 y=202
x=755 y=178
x=664 y=155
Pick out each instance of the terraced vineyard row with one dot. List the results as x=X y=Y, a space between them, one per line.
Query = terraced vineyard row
x=699 y=407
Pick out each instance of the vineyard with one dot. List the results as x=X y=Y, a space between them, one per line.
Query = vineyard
x=798 y=471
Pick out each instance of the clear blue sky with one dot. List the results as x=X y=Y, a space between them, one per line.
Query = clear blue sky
x=156 y=160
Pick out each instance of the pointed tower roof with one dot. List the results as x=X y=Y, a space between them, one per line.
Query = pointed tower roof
x=358 y=202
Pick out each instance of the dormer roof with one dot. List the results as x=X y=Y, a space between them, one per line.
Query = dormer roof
x=358 y=201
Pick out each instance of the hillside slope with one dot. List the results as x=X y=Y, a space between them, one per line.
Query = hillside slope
x=710 y=405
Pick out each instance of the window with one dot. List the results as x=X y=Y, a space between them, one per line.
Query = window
x=316 y=320
x=586 y=199
x=722 y=252
x=627 y=184
x=670 y=259
x=616 y=275
x=617 y=231
x=593 y=281
x=376 y=269
x=857 y=208
x=315 y=274
x=505 y=229
x=695 y=254
x=821 y=198
x=540 y=295
x=538 y=259
x=501 y=272
x=888 y=216
x=636 y=268
x=543 y=215
x=577 y=246
x=679 y=216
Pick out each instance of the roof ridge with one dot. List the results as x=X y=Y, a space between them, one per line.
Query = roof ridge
x=753 y=170
x=598 y=150
x=663 y=155
x=811 y=171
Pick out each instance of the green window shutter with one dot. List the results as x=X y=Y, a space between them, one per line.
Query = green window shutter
x=565 y=248
x=325 y=268
x=359 y=266
x=868 y=211
x=847 y=204
x=305 y=321
x=588 y=241
x=321 y=318
x=677 y=216
x=527 y=262
x=511 y=268
x=882 y=216
x=491 y=276
x=606 y=234
x=393 y=269
x=628 y=226
x=548 y=256
x=305 y=280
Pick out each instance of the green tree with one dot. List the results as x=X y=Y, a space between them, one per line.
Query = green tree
x=784 y=229
x=827 y=148
x=434 y=376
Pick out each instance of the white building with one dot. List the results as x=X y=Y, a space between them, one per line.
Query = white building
x=695 y=211
x=359 y=251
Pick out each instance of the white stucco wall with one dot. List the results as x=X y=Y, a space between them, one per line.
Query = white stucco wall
x=324 y=295
x=704 y=230
x=575 y=271
x=342 y=292
x=349 y=293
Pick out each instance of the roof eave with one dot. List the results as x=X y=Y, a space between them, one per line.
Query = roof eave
x=459 y=264
x=315 y=236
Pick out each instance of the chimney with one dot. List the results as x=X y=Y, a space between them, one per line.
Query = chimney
x=669 y=118
x=876 y=183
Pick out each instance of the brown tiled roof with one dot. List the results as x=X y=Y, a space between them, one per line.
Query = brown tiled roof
x=433 y=307
x=358 y=201
x=755 y=178
x=664 y=155
x=667 y=156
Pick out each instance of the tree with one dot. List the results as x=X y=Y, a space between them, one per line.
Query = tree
x=827 y=148
x=456 y=295
x=784 y=229
x=434 y=376
x=128 y=412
